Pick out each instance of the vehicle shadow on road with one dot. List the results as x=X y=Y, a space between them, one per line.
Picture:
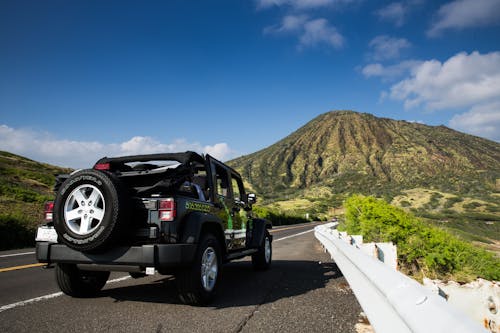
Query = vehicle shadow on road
x=241 y=285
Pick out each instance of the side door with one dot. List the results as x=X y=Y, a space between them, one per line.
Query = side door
x=239 y=214
x=227 y=194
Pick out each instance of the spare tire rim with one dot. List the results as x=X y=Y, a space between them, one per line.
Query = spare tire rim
x=209 y=269
x=267 y=249
x=84 y=209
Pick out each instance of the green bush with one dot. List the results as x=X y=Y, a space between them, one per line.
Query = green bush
x=492 y=209
x=451 y=201
x=405 y=203
x=278 y=218
x=16 y=231
x=434 y=201
x=422 y=249
x=472 y=205
x=22 y=194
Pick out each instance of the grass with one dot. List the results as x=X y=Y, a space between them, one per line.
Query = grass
x=469 y=225
x=18 y=223
x=472 y=219
x=24 y=187
x=469 y=218
x=17 y=230
x=423 y=249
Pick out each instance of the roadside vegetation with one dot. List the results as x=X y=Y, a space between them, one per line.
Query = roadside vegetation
x=16 y=231
x=25 y=185
x=424 y=250
x=280 y=218
x=475 y=219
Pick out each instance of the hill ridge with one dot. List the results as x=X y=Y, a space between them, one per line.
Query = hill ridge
x=382 y=152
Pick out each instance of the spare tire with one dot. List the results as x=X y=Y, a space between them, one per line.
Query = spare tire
x=91 y=210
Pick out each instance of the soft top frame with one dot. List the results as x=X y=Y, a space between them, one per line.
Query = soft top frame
x=184 y=158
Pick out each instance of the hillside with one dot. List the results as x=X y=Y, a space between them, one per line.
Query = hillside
x=349 y=150
x=24 y=187
x=432 y=170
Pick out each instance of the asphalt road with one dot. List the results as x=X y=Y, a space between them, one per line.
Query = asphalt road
x=303 y=291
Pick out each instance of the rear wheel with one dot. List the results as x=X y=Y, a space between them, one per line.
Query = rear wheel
x=78 y=283
x=197 y=285
x=262 y=259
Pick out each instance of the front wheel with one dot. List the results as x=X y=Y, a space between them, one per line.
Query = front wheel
x=78 y=283
x=261 y=260
x=197 y=285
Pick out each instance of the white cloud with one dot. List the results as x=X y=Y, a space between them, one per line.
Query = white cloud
x=397 y=12
x=301 y=4
x=219 y=150
x=311 y=32
x=482 y=120
x=394 y=12
x=270 y=3
x=464 y=80
x=461 y=14
x=45 y=147
x=289 y=23
x=319 y=31
x=391 y=72
x=385 y=47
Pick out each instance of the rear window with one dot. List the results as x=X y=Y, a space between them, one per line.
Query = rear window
x=152 y=165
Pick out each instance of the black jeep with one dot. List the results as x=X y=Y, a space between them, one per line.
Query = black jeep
x=181 y=213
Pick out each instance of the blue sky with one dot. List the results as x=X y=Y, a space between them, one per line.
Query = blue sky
x=84 y=79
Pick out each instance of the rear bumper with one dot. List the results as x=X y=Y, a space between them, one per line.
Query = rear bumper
x=159 y=256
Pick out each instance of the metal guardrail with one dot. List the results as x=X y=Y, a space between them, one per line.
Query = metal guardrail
x=392 y=301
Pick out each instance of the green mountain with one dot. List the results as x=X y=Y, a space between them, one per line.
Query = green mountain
x=356 y=151
x=434 y=170
x=24 y=187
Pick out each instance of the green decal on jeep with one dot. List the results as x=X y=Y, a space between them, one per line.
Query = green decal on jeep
x=198 y=206
x=226 y=211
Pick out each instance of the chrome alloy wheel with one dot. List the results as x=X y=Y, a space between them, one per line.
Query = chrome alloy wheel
x=84 y=209
x=267 y=249
x=209 y=269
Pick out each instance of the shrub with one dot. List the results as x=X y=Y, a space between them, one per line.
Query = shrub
x=278 y=218
x=15 y=232
x=472 y=205
x=422 y=249
x=405 y=203
x=451 y=201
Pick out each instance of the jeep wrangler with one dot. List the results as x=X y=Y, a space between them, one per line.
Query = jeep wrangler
x=180 y=214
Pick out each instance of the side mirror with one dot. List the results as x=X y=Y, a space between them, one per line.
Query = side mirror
x=251 y=198
x=238 y=203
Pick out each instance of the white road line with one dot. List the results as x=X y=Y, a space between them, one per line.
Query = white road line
x=16 y=254
x=294 y=235
x=29 y=301
x=46 y=297
x=123 y=278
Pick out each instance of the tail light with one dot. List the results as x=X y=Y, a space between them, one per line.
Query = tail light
x=48 y=211
x=102 y=166
x=166 y=211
